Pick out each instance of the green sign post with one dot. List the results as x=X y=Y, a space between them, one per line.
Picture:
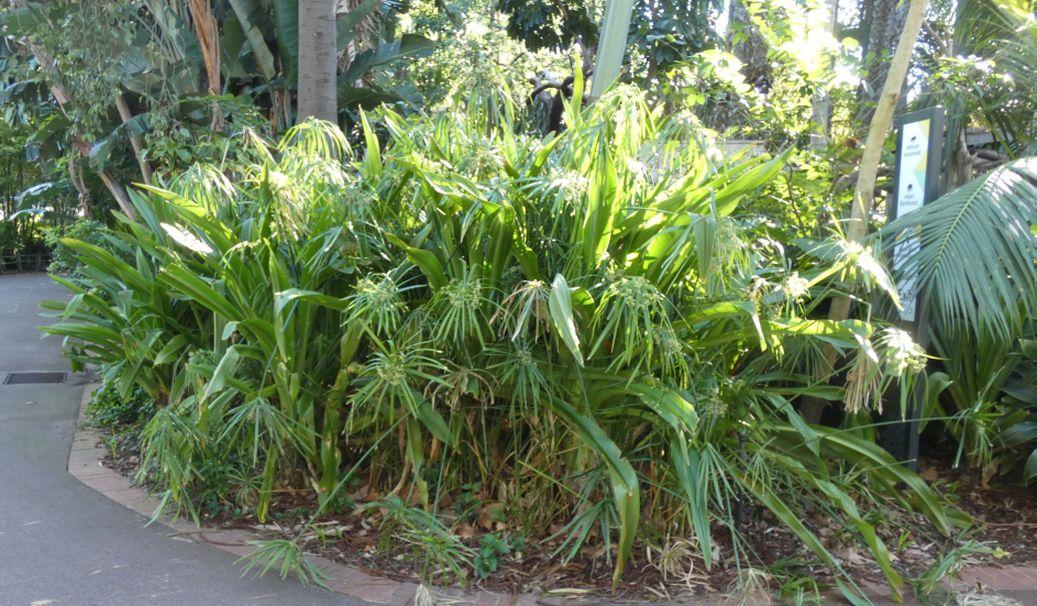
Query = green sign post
x=918 y=180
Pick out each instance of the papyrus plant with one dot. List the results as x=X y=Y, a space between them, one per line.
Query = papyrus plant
x=581 y=324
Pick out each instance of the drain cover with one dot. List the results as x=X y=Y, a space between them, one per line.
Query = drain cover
x=25 y=378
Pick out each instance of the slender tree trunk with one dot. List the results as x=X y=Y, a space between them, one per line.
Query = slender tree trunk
x=119 y=193
x=317 y=61
x=885 y=21
x=207 y=32
x=864 y=196
x=75 y=175
x=882 y=120
x=64 y=97
x=136 y=141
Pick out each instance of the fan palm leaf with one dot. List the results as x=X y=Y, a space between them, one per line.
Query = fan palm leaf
x=977 y=253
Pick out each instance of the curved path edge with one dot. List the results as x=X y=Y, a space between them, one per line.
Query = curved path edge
x=85 y=463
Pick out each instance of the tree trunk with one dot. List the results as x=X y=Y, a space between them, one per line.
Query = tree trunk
x=317 y=61
x=136 y=141
x=75 y=175
x=864 y=196
x=882 y=120
x=63 y=96
x=117 y=191
x=884 y=20
x=207 y=32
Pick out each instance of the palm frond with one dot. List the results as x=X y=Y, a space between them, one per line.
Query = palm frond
x=1002 y=35
x=976 y=263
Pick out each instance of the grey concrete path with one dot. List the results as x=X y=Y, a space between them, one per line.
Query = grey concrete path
x=61 y=543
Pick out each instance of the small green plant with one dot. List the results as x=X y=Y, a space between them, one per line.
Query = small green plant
x=216 y=487
x=289 y=554
x=468 y=503
x=434 y=547
x=795 y=581
x=905 y=540
x=111 y=442
x=63 y=260
x=492 y=548
x=800 y=590
x=964 y=553
x=108 y=409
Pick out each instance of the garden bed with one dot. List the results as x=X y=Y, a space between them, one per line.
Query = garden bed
x=1005 y=514
x=1006 y=534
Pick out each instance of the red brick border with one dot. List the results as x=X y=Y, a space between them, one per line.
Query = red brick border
x=1001 y=578
x=85 y=463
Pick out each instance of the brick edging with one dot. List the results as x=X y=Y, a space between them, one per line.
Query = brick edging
x=85 y=462
x=1000 y=578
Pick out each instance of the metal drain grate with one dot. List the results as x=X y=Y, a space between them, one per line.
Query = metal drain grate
x=26 y=378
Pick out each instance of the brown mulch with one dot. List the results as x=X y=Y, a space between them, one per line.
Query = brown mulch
x=1006 y=516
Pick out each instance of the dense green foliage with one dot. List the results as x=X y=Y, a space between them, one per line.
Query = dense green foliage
x=975 y=266
x=580 y=324
x=662 y=32
x=29 y=205
x=608 y=330
x=108 y=408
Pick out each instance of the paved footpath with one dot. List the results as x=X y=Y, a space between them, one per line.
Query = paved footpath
x=61 y=543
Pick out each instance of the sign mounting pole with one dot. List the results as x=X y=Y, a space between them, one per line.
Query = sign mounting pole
x=918 y=180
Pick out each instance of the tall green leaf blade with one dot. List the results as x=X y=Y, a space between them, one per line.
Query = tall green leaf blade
x=435 y=424
x=224 y=371
x=286 y=25
x=559 y=305
x=669 y=404
x=626 y=492
x=199 y=290
x=758 y=176
x=694 y=482
x=595 y=233
x=867 y=531
x=612 y=44
x=425 y=260
x=248 y=13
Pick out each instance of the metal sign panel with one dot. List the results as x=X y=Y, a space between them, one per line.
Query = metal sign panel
x=917 y=181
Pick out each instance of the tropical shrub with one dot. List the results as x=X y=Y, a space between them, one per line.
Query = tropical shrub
x=63 y=259
x=984 y=394
x=976 y=274
x=108 y=409
x=580 y=324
